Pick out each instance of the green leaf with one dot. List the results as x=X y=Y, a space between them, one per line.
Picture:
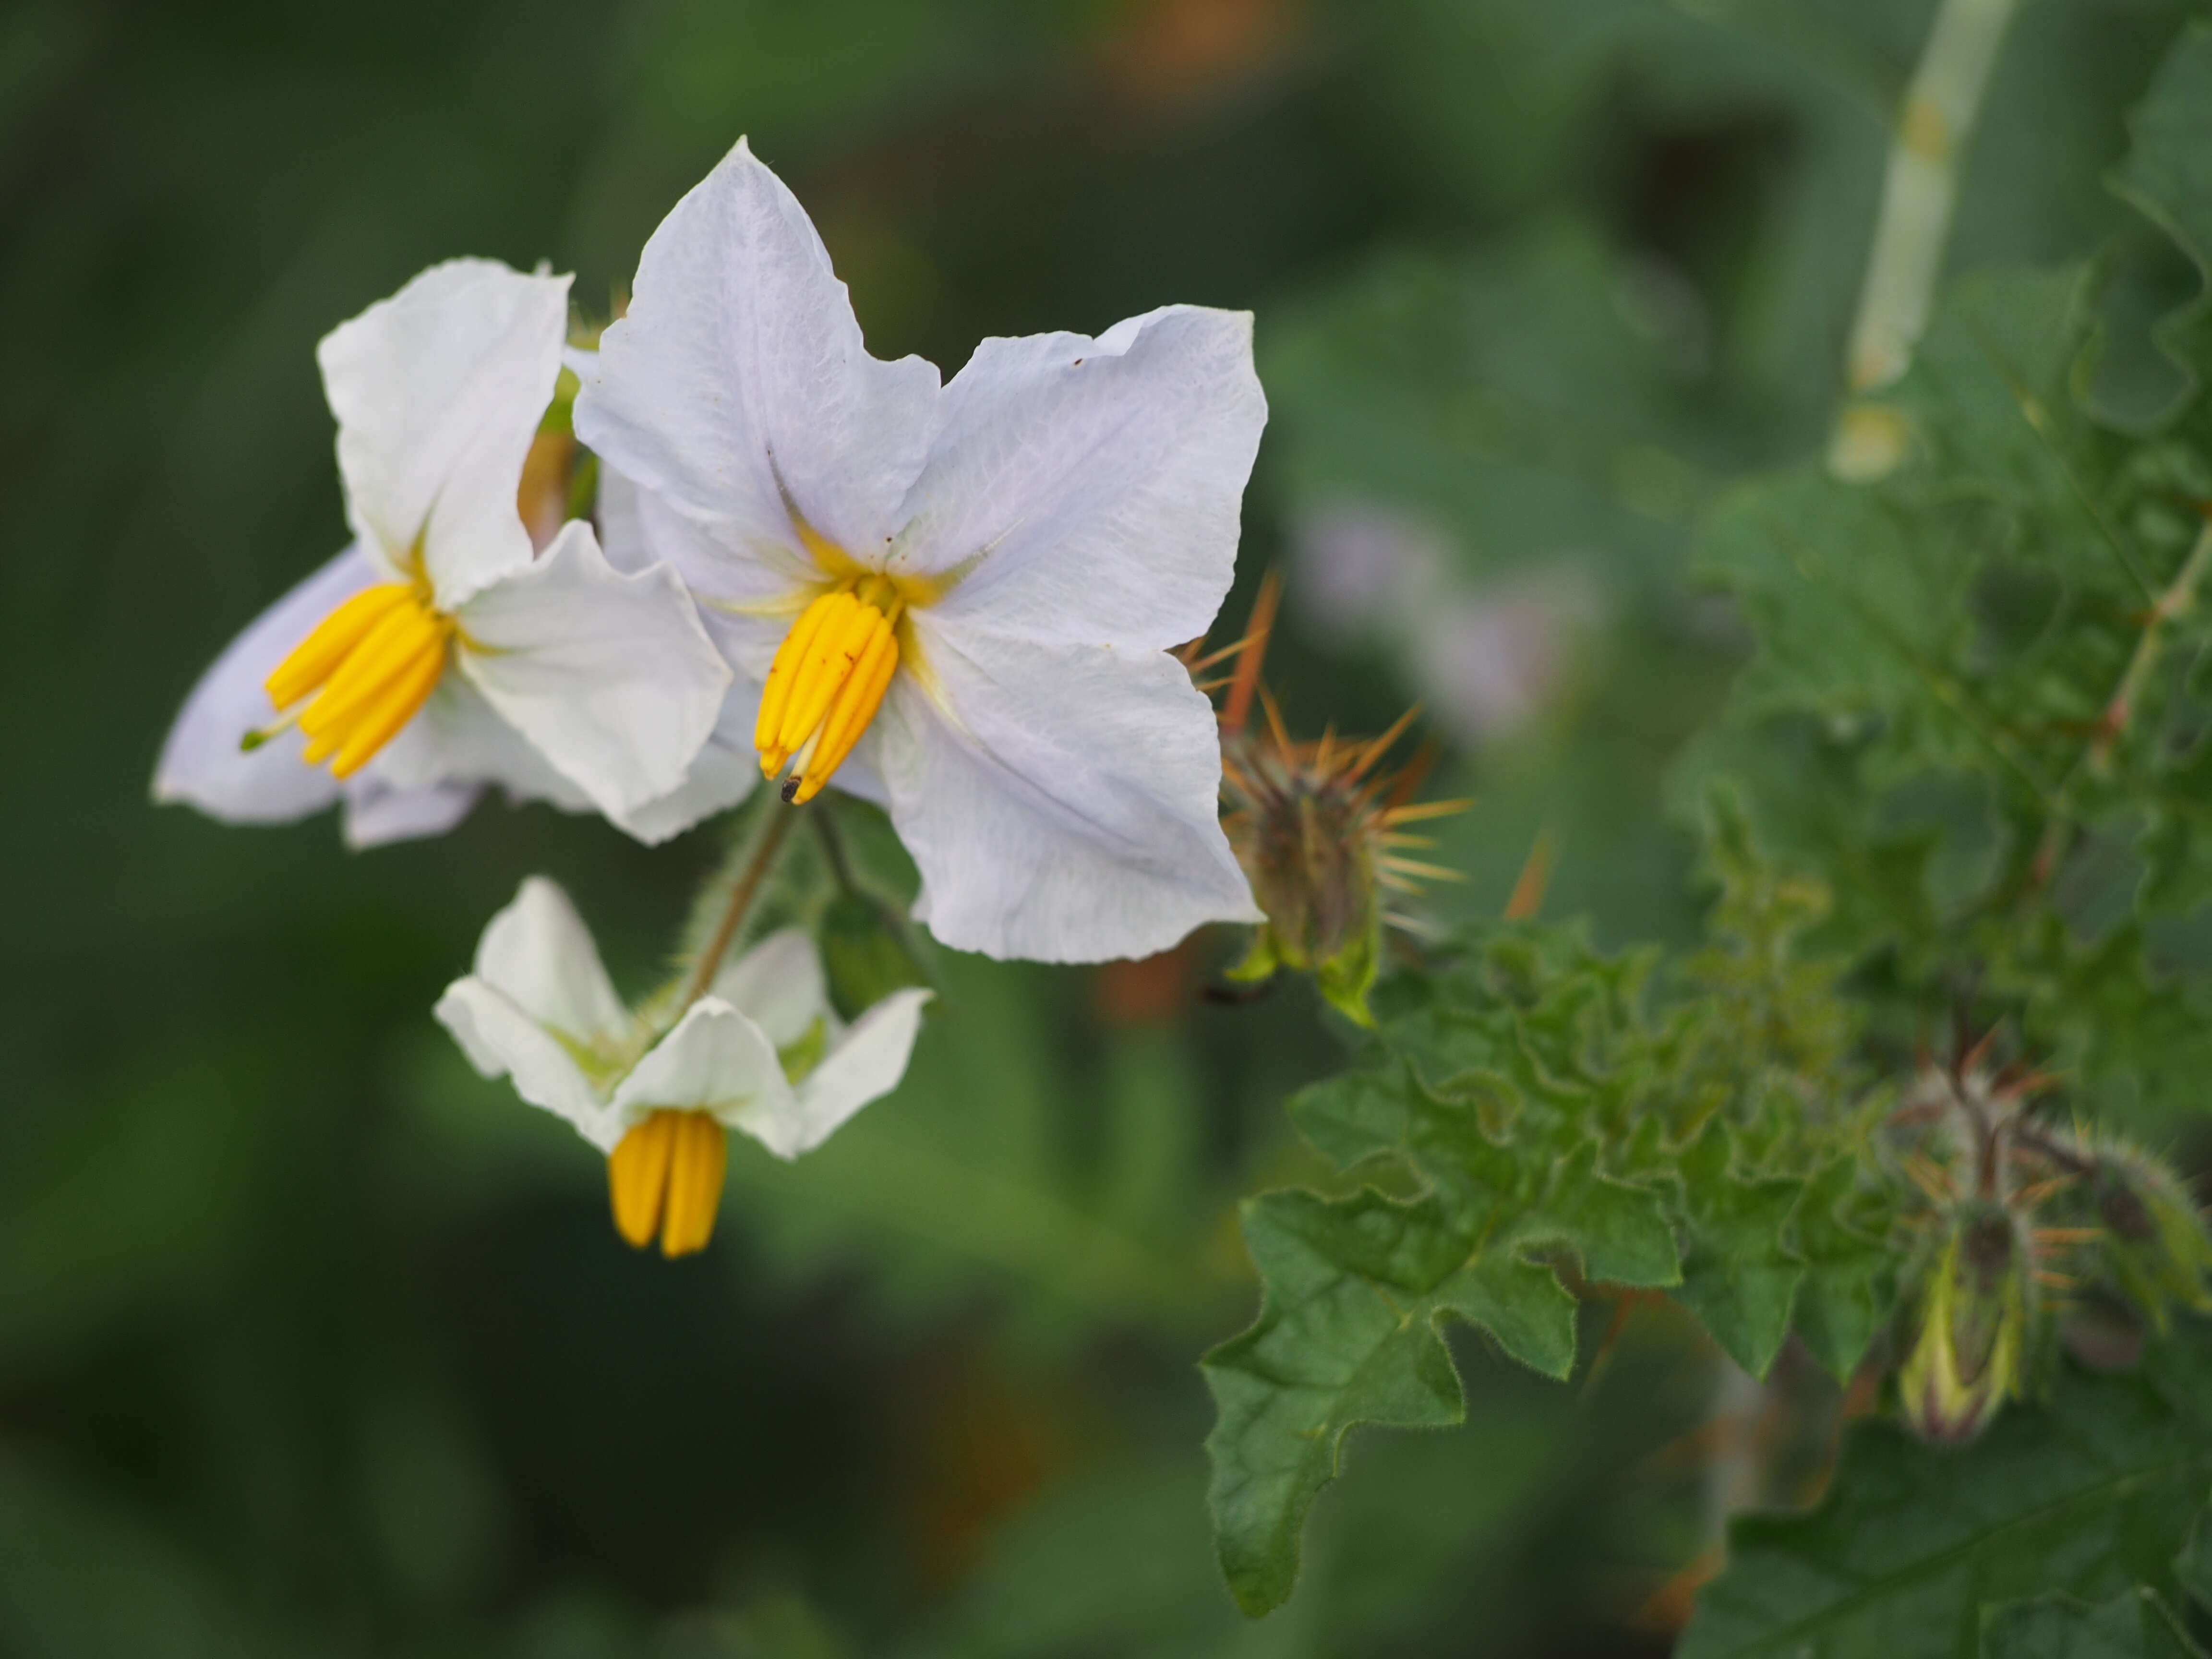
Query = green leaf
x=2137 y=1623
x=1738 y=1274
x=1845 y=1296
x=1357 y=1290
x=2167 y=175
x=2085 y=1497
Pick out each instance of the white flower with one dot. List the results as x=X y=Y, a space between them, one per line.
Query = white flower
x=963 y=595
x=762 y=1051
x=436 y=653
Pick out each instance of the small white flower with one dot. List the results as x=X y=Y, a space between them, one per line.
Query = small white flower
x=437 y=654
x=960 y=598
x=762 y=1051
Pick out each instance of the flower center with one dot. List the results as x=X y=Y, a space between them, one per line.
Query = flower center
x=666 y=1177
x=370 y=664
x=826 y=682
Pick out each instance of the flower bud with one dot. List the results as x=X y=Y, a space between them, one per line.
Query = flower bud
x=1320 y=832
x=1307 y=857
x=1975 y=1308
x=867 y=953
x=2155 y=1244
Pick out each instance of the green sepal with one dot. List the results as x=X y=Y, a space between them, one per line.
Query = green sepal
x=866 y=952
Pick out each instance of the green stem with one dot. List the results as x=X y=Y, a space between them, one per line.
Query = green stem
x=1918 y=193
x=2179 y=598
x=741 y=900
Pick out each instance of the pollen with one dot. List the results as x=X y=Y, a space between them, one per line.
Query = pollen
x=827 y=681
x=665 y=1177
x=369 y=667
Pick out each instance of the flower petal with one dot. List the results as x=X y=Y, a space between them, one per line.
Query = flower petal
x=377 y=813
x=457 y=737
x=1060 y=802
x=612 y=676
x=866 y=1065
x=715 y=1060
x=501 y=1040
x=201 y=763
x=538 y=954
x=1088 y=491
x=718 y=779
x=438 y=392
x=641 y=530
x=779 y=986
x=739 y=375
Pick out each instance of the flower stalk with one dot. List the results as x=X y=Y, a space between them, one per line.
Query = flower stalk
x=733 y=914
x=1920 y=189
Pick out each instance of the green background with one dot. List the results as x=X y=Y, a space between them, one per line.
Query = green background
x=310 y=1342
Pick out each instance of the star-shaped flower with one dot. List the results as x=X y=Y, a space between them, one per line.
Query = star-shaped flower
x=762 y=1051
x=956 y=599
x=439 y=652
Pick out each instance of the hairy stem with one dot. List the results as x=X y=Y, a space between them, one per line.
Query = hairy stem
x=2179 y=597
x=741 y=900
x=1918 y=193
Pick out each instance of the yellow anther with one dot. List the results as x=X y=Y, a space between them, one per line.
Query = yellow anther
x=638 y=1177
x=856 y=705
x=665 y=1176
x=314 y=657
x=777 y=692
x=828 y=662
x=372 y=664
x=828 y=679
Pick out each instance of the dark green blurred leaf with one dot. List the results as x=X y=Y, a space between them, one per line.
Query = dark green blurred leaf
x=2085 y=1496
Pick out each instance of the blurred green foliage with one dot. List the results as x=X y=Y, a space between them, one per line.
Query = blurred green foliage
x=310 y=1342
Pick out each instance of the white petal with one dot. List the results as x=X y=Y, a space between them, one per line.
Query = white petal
x=1063 y=807
x=641 y=530
x=715 y=1060
x=501 y=1040
x=1088 y=490
x=718 y=779
x=739 y=346
x=438 y=392
x=377 y=813
x=201 y=763
x=458 y=739
x=538 y=954
x=612 y=676
x=779 y=985
x=866 y=1065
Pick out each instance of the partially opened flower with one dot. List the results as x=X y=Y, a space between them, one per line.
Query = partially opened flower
x=956 y=599
x=436 y=653
x=762 y=1051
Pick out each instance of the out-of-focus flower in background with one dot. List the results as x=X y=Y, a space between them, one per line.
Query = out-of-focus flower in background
x=1488 y=659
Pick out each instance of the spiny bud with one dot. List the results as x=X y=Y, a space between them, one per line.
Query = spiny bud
x=1976 y=1306
x=2154 y=1240
x=1318 y=830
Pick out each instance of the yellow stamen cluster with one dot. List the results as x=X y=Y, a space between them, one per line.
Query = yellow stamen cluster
x=371 y=665
x=666 y=1177
x=826 y=682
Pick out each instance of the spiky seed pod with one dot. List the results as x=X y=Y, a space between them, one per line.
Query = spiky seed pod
x=1319 y=831
x=1977 y=1308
